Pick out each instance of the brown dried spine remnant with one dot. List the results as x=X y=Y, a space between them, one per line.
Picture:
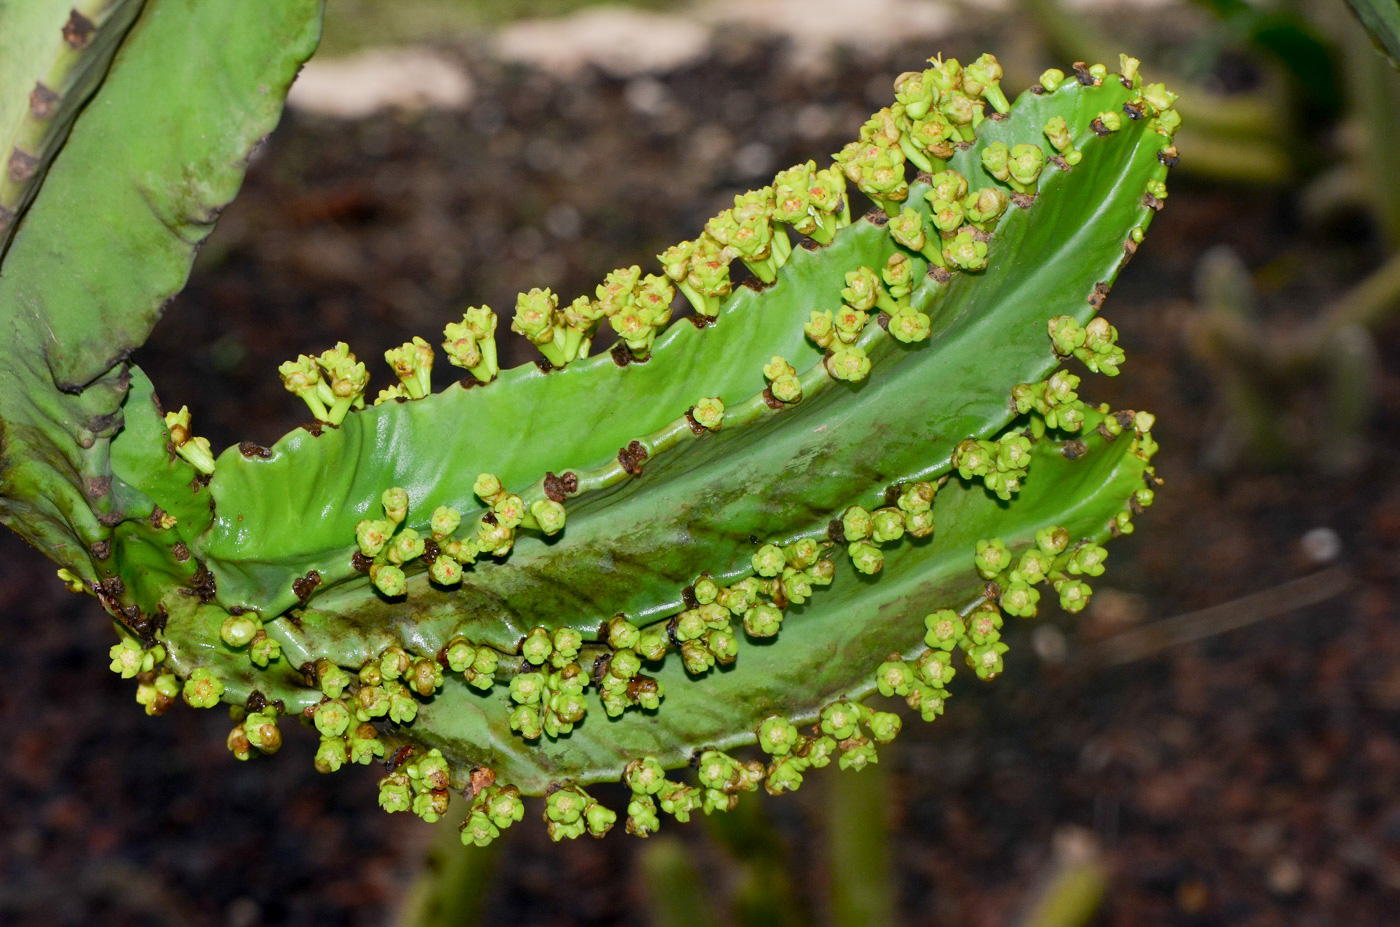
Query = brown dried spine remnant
x=557 y=488
x=631 y=457
x=1096 y=298
x=620 y=355
x=431 y=551
x=1151 y=202
x=202 y=584
x=545 y=366
x=360 y=563
x=695 y=427
x=306 y=585
x=883 y=320
x=688 y=597
x=877 y=217
x=1061 y=163
x=1023 y=200
x=836 y=531
x=98 y=486
x=42 y=101
x=101 y=550
x=639 y=685
x=1134 y=110
x=481 y=779
x=939 y=274
x=22 y=166
x=1168 y=156
x=1074 y=449
x=1081 y=74
x=1099 y=128
x=314 y=428
x=256 y=701
x=250 y=450
x=77 y=32
x=1129 y=248
x=773 y=402
x=157 y=518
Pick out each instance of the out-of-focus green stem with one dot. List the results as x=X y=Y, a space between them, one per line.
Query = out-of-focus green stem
x=1375 y=92
x=452 y=887
x=857 y=844
x=1233 y=137
x=763 y=894
x=677 y=896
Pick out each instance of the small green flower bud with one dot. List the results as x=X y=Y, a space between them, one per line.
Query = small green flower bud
x=444 y=522
x=394 y=793
x=1052 y=79
x=909 y=326
x=365 y=745
x=945 y=629
x=1019 y=599
x=372 y=535
x=129 y=660
x=526 y=688
x=389 y=579
x=984 y=624
x=1025 y=164
x=723 y=645
x=985 y=206
x=652 y=644
x=622 y=634
x=549 y=515
x=332 y=718
x=1088 y=560
x=1074 y=595
x=481 y=674
x=866 y=558
x=406 y=546
x=413 y=365
x=839 y=719
x=1034 y=565
x=503 y=805
x=696 y=657
x=1052 y=540
x=371 y=702
x=202 y=689
x=898 y=275
x=763 y=621
x=402 y=708
x=488 y=488
x=927 y=701
x=445 y=571
x=1110 y=121
x=425 y=677
x=644 y=776
x=331 y=754
x=709 y=413
x=982 y=78
x=678 y=800
x=394 y=663
x=566 y=643
x=992 y=557
x=777 y=736
x=769 y=560
x=263 y=649
x=935 y=668
x=477 y=830
x=536 y=647
x=238 y=630
x=857 y=523
x=331 y=679
x=965 y=252
x=974 y=458
x=525 y=720
x=642 y=820
x=796 y=585
x=784 y=775
x=986 y=659
x=907 y=229
x=238 y=745
x=848 y=324
x=995 y=158
x=430 y=806
x=886 y=525
x=260 y=727
x=565 y=805
x=884 y=726
x=848 y=363
x=624 y=664
x=858 y=757
x=599 y=820
x=894 y=677
x=1066 y=335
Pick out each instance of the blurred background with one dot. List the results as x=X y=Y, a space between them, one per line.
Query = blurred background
x=1216 y=741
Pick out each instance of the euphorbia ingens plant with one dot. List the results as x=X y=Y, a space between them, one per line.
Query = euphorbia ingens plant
x=736 y=542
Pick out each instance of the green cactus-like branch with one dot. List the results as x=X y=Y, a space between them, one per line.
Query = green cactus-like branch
x=736 y=542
